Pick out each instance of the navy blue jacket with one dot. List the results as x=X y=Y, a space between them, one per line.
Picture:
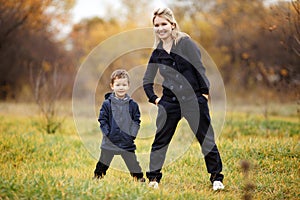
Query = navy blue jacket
x=119 y=122
x=182 y=71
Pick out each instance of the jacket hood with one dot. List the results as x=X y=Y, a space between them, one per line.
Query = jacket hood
x=107 y=95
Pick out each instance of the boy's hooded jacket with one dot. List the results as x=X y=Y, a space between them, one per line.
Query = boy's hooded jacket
x=119 y=122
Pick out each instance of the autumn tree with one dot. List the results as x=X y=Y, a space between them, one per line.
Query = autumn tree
x=283 y=25
x=89 y=33
x=28 y=37
x=247 y=33
x=33 y=60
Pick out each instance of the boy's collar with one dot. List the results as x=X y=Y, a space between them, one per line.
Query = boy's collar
x=121 y=99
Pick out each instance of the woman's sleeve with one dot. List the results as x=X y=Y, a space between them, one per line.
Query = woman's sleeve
x=194 y=57
x=103 y=118
x=148 y=80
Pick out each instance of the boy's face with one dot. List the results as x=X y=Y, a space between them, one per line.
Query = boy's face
x=120 y=87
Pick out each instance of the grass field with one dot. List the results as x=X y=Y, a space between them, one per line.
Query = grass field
x=35 y=165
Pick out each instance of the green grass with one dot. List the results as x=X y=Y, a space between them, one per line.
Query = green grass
x=35 y=165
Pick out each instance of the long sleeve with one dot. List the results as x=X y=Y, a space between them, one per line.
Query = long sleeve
x=148 y=80
x=194 y=57
x=104 y=119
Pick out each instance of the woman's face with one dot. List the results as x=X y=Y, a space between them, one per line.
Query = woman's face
x=162 y=28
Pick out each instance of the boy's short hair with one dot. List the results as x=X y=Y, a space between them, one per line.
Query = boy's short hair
x=117 y=74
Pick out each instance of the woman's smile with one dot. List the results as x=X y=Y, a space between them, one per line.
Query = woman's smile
x=162 y=28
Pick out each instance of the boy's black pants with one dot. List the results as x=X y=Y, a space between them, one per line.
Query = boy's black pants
x=169 y=114
x=129 y=157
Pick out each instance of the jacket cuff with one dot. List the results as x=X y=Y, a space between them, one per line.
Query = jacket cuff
x=152 y=99
x=205 y=91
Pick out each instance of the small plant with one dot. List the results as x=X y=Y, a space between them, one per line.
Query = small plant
x=248 y=185
x=47 y=89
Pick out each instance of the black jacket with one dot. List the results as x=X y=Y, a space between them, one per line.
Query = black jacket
x=119 y=122
x=182 y=71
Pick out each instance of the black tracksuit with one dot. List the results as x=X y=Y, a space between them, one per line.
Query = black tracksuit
x=184 y=82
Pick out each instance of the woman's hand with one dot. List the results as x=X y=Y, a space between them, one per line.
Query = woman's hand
x=157 y=100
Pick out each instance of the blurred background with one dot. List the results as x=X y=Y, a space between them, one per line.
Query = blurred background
x=254 y=43
x=43 y=43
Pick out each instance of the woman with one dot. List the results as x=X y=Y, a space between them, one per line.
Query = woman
x=185 y=94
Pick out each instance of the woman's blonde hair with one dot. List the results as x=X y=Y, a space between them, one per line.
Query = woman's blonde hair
x=169 y=16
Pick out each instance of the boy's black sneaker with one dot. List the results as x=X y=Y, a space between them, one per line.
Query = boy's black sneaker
x=98 y=176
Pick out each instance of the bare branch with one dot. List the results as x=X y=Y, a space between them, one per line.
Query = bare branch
x=296 y=52
x=15 y=26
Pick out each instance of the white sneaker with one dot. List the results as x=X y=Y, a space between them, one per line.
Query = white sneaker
x=153 y=184
x=218 y=185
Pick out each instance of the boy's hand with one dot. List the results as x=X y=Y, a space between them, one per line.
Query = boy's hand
x=206 y=96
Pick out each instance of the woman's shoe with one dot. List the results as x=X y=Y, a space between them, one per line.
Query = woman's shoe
x=153 y=184
x=218 y=185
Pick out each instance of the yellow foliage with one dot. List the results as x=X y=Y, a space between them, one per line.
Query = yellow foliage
x=46 y=66
x=284 y=72
x=245 y=56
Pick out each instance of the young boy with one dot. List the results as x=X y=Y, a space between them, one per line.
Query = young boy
x=119 y=120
